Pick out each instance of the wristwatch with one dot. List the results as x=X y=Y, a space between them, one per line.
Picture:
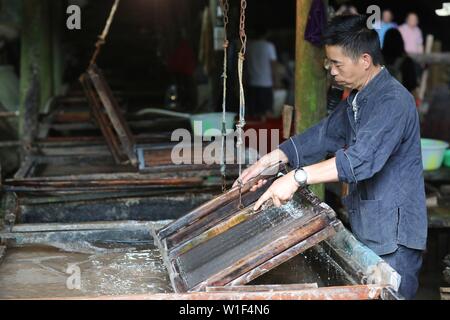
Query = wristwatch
x=301 y=177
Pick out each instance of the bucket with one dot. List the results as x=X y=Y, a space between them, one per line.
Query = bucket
x=447 y=158
x=279 y=100
x=433 y=153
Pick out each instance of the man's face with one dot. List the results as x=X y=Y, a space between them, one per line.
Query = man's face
x=346 y=71
x=387 y=16
x=412 y=20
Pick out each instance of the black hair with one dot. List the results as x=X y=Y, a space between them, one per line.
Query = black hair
x=394 y=46
x=352 y=34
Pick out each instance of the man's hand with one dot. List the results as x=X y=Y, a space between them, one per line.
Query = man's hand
x=281 y=191
x=265 y=162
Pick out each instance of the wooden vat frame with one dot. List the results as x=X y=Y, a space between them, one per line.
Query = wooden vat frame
x=222 y=214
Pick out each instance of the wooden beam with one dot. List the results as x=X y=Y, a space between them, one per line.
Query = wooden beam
x=9 y=114
x=57 y=15
x=82 y=226
x=360 y=292
x=105 y=183
x=432 y=58
x=36 y=77
x=262 y=288
x=310 y=79
x=46 y=54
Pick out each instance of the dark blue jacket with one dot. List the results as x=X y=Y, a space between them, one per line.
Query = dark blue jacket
x=379 y=156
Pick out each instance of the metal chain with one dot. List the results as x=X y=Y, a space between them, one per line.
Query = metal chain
x=225 y=7
x=241 y=123
x=242 y=33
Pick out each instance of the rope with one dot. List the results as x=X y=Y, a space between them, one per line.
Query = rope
x=225 y=6
x=102 y=38
x=241 y=124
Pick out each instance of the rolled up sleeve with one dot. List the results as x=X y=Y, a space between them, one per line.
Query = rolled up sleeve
x=315 y=143
x=376 y=141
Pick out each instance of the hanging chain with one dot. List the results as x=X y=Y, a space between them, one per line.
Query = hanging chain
x=242 y=34
x=225 y=7
x=240 y=126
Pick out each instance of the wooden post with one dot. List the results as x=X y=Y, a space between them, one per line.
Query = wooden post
x=46 y=54
x=57 y=25
x=310 y=80
x=36 y=77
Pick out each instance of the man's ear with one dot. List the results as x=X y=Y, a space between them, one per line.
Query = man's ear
x=366 y=60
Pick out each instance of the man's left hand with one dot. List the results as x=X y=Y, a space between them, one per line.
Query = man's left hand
x=281 y=191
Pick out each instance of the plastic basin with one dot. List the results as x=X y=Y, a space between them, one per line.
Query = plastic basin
x=210 y=124
x=447 y=158
x=433 y=153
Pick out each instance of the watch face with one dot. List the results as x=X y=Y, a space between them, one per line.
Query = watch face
x=300 y=177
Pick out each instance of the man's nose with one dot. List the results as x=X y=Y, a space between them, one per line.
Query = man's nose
x=333 y=71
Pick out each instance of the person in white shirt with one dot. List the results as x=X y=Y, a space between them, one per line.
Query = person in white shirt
x=260 y=59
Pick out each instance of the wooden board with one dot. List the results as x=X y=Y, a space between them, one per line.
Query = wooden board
x=445 y=293
x=357 y=292
x=151 y=157
x=263 y=288
x=108 y=116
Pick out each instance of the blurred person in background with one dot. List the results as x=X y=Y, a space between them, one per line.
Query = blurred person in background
x=260 y=64
x=397 y=61
x=412 y=35
x=386 y=24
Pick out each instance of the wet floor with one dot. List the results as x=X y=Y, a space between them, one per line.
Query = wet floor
x=46 y=272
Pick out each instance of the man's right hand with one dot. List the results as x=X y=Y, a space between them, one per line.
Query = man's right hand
x=275 y=157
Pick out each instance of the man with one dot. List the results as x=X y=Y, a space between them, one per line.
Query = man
x=260 y=62
x=386 y=24
x=412 y=35
x=375 y=138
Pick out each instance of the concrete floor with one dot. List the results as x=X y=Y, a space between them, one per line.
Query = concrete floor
x=46 y=272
